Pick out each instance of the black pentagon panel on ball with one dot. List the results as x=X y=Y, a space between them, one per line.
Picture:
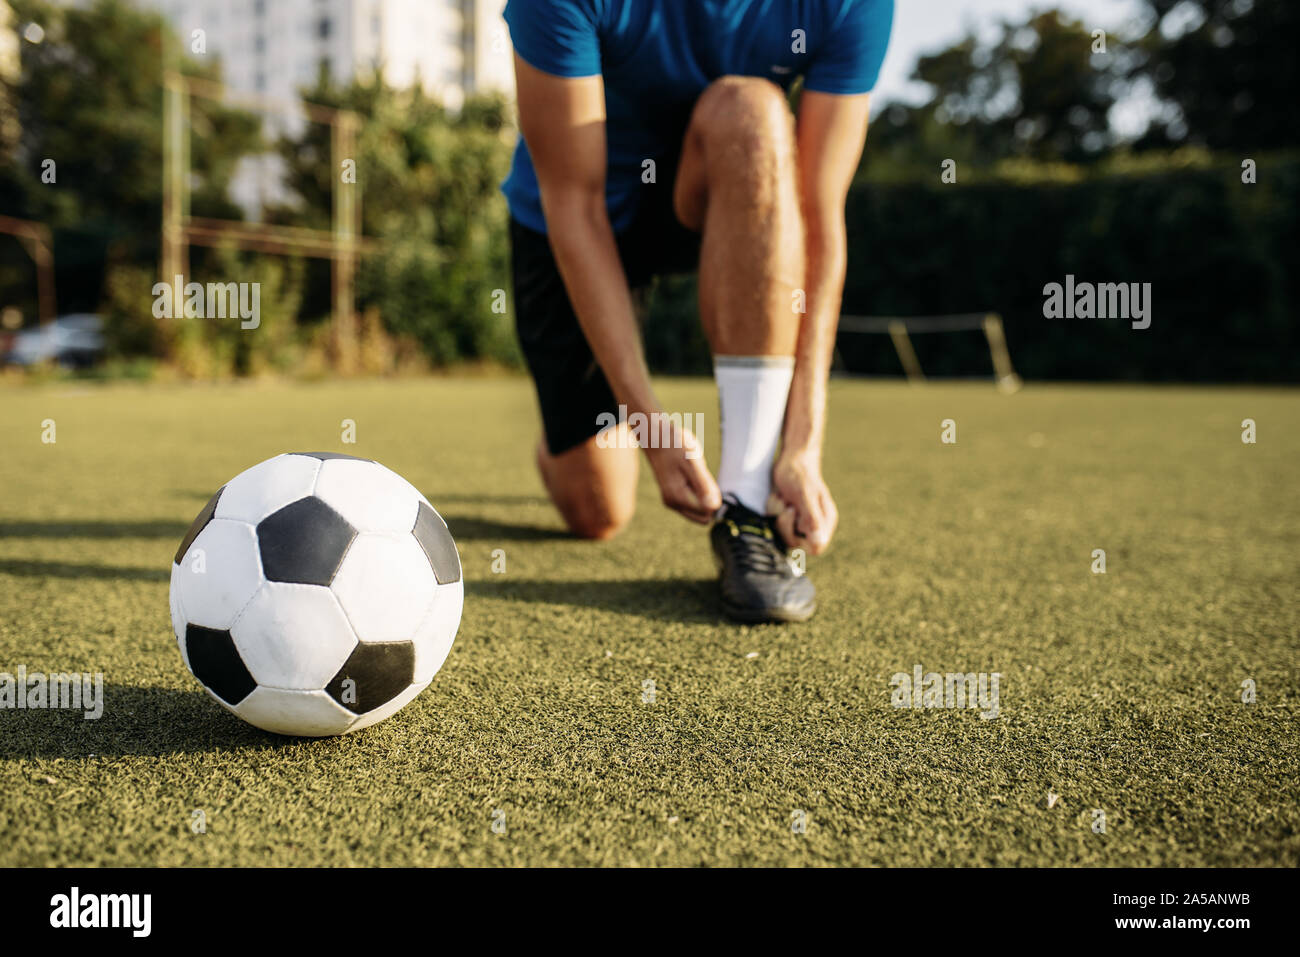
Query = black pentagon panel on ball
x=198 y=525
x=431 y=532
x=215 y=661
x=326 y=456
x=304 y=542
x=373 y=675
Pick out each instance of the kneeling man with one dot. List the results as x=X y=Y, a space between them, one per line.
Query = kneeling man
x=657 y=138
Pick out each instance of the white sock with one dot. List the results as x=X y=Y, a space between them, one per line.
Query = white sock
x=752 y=391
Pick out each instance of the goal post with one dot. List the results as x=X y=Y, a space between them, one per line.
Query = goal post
x=37 y=240
x=901 y=329
x=342 y=244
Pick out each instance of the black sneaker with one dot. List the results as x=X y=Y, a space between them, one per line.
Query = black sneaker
x=757 y=580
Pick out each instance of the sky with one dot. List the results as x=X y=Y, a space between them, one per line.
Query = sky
x=925 y=26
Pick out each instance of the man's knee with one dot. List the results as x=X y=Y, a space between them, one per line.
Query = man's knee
x=597 y=520
x=747 y=113
x=741 y=135
x=592 y=487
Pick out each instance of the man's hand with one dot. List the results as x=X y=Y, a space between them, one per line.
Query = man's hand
x=685 y=483
x=830 y=132
x=809 y=516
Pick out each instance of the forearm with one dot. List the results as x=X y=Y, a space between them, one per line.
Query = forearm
x=805 y=417
x=582 y=240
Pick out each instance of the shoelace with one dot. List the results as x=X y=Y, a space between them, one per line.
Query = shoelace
x=751 y=542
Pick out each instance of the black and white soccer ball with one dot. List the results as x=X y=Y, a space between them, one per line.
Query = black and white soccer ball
x=316 y=594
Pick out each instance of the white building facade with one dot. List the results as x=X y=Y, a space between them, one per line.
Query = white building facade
x=276 y=48
x=451 y=48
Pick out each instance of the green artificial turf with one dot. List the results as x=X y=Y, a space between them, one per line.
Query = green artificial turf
x=1119 y=692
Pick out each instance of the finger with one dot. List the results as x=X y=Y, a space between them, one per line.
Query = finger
x=696 y=516
x=785 y=523
x=819 y=535
x=775 y=503
x=810 y=518
x=689 y=507
x=811 y=537
x=813 y=546
x=704 y=487
x=831 y=513
x=681 y=499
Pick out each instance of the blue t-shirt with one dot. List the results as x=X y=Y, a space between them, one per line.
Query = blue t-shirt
x=657 y=56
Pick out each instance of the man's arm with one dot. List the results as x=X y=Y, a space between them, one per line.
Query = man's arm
x=563 y=123
x=830 y=133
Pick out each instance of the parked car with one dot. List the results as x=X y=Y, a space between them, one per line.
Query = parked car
x=75 y=341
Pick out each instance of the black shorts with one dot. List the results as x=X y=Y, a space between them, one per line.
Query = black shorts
x=571 y=389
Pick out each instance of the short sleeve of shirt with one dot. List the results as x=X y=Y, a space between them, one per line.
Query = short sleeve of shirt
x=556 y=36
x=848 y=61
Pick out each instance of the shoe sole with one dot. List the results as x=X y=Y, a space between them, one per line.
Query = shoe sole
x=776 y=616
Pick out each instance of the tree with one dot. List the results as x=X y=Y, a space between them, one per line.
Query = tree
x=1226 y=71
x=89 y=99
x=429 y=181
x=1038 y=90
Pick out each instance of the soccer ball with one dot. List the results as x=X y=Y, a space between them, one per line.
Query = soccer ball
x=316 y=594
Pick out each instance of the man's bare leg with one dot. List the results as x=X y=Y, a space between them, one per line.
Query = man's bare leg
x=593 y=488
x=737 y=184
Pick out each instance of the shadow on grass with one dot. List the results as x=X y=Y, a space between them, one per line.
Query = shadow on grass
x=468 y=528
x=28 y=568
x=485 y=529
x=152 y=722
x=688 y=600
x=476 y=499
x=94 y=528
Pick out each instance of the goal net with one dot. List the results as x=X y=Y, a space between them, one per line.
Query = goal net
x=900 y=331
